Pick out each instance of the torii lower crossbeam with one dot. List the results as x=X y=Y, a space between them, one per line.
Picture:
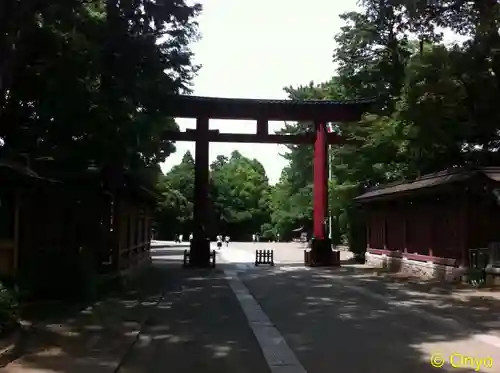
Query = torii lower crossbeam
x=318 y=112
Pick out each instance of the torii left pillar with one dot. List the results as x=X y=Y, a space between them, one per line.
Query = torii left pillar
x=200 y=245
x=321 y=251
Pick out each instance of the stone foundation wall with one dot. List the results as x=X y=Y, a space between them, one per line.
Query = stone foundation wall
x=492 y=276
x=424 y=270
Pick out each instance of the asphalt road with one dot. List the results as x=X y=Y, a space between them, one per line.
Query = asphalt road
x=349 y=321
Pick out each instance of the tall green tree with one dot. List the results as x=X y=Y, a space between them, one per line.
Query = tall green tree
x=175 y=210
x=240 y=195
x=435 y=105
x=84 y=81
x=239 y=192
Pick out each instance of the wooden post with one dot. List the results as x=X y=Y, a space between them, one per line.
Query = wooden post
x=405 y=230
x=117 y=233
x=464 y=231
x=17 y=226
x=262 y=127
x=321 y=252
x=384 y=232
x=200 y=246
x=320 y=193
x=368 y=227
x=130 y=233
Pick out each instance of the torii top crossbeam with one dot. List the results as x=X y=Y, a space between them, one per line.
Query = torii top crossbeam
x=183 y=106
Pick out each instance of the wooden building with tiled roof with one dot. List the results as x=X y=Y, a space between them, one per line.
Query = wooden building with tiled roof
x=51 y=221
x=430 y=225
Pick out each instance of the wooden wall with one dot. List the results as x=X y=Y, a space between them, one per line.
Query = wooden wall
x=483 y=215
x=432 y=226
x=133 y=225
x=9 y=221
x=116 y=229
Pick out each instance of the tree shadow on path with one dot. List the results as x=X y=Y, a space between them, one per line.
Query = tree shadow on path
x=333 y=327
x=174 y=319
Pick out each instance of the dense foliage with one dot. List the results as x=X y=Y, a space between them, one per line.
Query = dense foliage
x=239 y=192
x=8 y=309
x=436 y=106
x=85 y=81
x=437 y=109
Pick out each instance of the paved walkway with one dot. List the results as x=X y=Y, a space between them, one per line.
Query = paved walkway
x=334 y=322
x=93 y=339
x=286 y=319
x=194 y=323
x=349 y=320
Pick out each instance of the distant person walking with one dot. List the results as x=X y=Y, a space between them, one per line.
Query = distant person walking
x=227 y=241
x=277 y=237
x=253 y=238
x=219 y=241
x=191 y=238
x=181 y=236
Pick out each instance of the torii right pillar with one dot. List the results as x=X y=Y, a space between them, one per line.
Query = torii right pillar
x=321 y=253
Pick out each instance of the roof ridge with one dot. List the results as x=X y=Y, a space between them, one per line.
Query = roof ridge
x=450 y=171
x=273 y=100
x=426 y=181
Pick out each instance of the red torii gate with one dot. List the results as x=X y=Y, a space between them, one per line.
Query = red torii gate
x=318 y=112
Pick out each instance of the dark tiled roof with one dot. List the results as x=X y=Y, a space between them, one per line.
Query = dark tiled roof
x=184 y=106
x=246 y=101
x=429 y=181
x=19 y=170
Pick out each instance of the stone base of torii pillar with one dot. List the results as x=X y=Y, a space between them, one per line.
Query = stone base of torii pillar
x=320 y=252
x=200 y=253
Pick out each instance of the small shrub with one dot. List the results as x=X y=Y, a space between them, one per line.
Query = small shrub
x=359 y=257
x=8 y=308
x=476 y=277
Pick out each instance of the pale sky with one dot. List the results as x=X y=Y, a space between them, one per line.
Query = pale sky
x=254 y=48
